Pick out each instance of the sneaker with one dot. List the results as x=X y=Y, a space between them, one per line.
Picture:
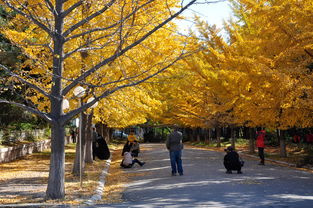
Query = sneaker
x=239 y=172
x=181 y=174
x=142 y=164
x=261 y=163
x=173 y=174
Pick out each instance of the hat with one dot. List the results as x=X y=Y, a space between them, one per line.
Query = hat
x=230 y=148
x=131 y=138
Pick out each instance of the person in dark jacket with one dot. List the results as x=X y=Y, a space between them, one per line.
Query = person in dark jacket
x=102 y=150
x=231 y=161
x=132 y=145
x=174 y=144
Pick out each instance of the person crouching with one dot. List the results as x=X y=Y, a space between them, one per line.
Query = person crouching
x=232 y=160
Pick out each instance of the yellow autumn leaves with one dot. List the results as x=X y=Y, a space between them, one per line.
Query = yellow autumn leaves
x=260 y=75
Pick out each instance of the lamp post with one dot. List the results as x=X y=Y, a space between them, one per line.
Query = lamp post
x=80 y=92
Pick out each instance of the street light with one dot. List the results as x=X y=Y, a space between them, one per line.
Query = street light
x=80 y=92
x=65 y=104
x=90 y=100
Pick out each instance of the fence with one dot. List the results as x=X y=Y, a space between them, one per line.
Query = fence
x=8 y=154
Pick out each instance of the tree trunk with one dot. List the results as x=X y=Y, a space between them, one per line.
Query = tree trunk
x=76 y=167
x=282 y=143
x=194 y=134
x=232 y=135
x=88 y=157
x=55 y=189
x=198 y=132
x=207 y=136
x=218 y=137
x=251 y=141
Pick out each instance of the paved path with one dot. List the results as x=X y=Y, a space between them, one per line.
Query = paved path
x=205 y=183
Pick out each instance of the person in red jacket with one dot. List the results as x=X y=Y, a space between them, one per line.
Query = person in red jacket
x=296 y=138
x=309 y=137
x=260 y=136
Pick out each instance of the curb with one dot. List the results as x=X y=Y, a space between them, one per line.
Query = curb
x=275 y=161
x=100 y=189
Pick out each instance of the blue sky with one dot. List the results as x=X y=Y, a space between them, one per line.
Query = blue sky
x=213 y=13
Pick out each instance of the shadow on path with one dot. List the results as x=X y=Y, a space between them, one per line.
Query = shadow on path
x=205 y=183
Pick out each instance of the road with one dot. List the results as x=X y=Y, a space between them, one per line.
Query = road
x=205 y=184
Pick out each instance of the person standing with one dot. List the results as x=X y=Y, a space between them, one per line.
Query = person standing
x=174 y=144
x=260 y=136
x=309 y=137
x=73 y=135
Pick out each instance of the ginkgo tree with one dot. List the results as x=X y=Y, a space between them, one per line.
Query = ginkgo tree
x=85 y=43
x=260 y=76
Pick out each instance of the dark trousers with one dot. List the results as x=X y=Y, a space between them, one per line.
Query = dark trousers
x=131 y=165
x=229 y=167
x=176 y=161
x=261 y=154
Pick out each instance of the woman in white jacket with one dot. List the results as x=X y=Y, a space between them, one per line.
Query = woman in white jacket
x=128 y=161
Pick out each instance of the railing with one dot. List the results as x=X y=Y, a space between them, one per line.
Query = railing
x=11 y=153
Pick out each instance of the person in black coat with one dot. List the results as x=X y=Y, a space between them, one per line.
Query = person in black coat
x=102 y=150
x=231 y=160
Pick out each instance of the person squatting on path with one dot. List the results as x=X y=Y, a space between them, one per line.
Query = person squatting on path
x=128 y=161
x=174 y=144
x=132 y=145
x=260 y=136
x=232 y=160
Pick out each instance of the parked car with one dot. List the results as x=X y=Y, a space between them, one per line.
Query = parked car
x=119 y=134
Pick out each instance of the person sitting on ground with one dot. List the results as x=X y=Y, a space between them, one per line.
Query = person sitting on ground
x=132 y=145
x=232 y=160
x=128 y=161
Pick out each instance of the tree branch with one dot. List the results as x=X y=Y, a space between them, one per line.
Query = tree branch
x=30 y=17
x=69 y=10
x=32 y=110
x=87 y=19
x=25 y=81
x=71 y=114
x=81 y=48
x=111 y=26
x=121 y=52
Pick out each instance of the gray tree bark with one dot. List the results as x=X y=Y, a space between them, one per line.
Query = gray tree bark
x=55 y=189
x=218 y=137
x=282 y=142
x=251 y=141
x=89 y=150
x=76 y=166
